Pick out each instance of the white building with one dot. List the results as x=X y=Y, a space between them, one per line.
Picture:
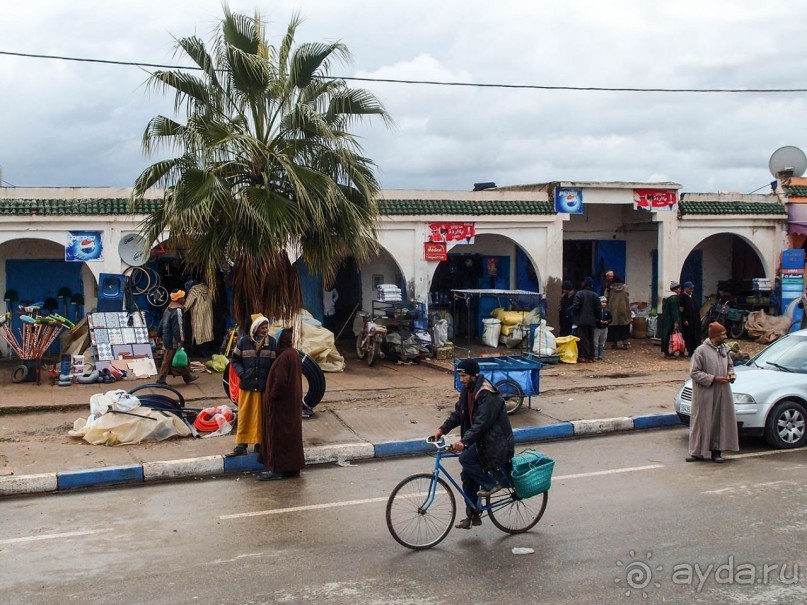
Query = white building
x=505 y=238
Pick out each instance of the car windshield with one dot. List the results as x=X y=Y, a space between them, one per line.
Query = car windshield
x=788 y=354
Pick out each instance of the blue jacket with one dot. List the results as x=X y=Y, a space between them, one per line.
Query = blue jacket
x=251 y=365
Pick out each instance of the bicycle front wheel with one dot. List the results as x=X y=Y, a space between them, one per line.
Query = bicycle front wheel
x=421 y=511
x=515 y=515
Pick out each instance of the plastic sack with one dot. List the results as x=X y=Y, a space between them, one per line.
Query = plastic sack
x=567 y=348
x=122 y=401
x=676 y=344
x=490 y=336
x=544 y=341
x=216 y=363
x=99 y=404
x=180 y=359
x=440 y=333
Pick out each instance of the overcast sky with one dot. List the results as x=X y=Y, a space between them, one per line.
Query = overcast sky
x=80 y=124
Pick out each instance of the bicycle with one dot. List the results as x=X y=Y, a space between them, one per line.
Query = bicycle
x=422 y=508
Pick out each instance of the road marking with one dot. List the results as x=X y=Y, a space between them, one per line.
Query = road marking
x=69 y=534
x=613 y=471
x=759 y=454
x=294 y=509
x=739 y=487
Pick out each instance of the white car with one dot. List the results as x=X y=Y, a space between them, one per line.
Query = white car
x=770 y=393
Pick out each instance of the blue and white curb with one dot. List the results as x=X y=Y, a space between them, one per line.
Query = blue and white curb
x=217 y=465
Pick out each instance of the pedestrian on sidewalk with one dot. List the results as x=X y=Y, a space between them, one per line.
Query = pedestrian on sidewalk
x=670 y=317
x=282 y=435
x=252 y=360
x=172 y=332
x=564 y=313
x=690 y=318
x=601 y=328
x=486 y=439
x=608 y=282
x=585 y=305
x=199 y=305
x=713 y=426
x=619 y=306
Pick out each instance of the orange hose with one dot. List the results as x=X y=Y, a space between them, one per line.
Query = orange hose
x=211 y=419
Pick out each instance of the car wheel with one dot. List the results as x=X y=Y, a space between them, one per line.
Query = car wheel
x=785 y=426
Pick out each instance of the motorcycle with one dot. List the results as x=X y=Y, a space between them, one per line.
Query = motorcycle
x=732 y=319
x=368 y=341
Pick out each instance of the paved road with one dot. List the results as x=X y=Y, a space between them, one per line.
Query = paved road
x=619 y=505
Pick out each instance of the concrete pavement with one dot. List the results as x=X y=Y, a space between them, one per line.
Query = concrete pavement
x=367 y=412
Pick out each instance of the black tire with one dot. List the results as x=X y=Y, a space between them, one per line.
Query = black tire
x=409 y=523
x=372 y=350
x=180 y=400
x=19 y=374
x=511 y=393
x=312 y=374
x=514 y=515
x=785 y=425
x=361 y=351
x=225 y=380
x=737 y=328
x=315 y=377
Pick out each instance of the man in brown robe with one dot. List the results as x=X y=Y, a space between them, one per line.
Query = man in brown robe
x=713 y=427
x=282 y=438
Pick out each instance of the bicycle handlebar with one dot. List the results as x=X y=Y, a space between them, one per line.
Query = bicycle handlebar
x=440 y=443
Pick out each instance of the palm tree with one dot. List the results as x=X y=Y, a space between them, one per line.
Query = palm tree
x=265 y=166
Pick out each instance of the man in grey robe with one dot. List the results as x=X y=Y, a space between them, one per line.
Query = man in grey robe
x=713 y=428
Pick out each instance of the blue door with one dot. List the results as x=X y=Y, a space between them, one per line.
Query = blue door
x=609 y=255
x=39 y=280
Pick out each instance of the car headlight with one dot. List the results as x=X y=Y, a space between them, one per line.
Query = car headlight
x=742 y=398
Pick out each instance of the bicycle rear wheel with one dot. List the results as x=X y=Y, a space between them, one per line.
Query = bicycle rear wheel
x=515 y=515
x=421 y=511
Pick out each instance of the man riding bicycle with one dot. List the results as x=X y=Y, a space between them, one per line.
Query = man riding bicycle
x=486 y=438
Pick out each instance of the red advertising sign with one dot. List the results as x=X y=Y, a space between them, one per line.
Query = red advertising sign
x=435 y=251
x=452 y=232
x=655 y=199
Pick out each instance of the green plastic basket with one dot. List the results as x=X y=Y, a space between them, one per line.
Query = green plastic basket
x=532 y=473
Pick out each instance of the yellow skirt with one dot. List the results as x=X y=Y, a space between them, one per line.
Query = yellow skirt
x=250 y=417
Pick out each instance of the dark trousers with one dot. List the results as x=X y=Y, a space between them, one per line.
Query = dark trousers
x=474 y=476
x=166 y=369
x=586 y=344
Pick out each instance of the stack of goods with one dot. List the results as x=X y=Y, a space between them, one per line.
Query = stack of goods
x=388 y=293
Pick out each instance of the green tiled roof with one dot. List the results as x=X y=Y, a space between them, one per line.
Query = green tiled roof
x=795 y=191
x=82 y=206
x=477 y=208
x=722 y=208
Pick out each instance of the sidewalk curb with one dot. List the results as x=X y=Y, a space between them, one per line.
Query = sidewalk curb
x=218 y=464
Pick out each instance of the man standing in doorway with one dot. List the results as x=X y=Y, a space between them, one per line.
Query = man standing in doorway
x=584 y=316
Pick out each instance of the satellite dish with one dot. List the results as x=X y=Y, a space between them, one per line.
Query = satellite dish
x=134 y=250
x=787 y=161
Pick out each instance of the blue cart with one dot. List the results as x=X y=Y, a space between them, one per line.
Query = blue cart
x=515 y=376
